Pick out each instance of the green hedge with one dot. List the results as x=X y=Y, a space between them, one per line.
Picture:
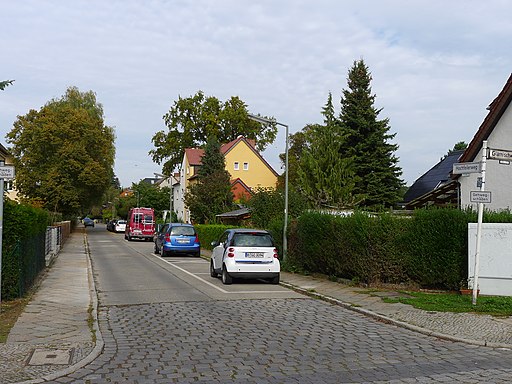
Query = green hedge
x=208 y=233
x=428 y=248
x=23 y=243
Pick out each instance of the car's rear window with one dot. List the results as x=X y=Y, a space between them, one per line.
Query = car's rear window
x=252 y=240
x=183 y=231
x=121 y=222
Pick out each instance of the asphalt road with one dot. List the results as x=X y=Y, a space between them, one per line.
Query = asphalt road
x=166 y=320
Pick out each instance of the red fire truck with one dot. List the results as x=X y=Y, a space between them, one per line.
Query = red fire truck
x=140 y=224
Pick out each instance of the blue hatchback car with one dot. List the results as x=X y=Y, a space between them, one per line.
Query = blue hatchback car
x=176 y=238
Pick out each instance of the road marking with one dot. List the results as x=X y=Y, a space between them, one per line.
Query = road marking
x=208 y=283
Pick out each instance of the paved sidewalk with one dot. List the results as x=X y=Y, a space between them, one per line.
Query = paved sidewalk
x=53 y=338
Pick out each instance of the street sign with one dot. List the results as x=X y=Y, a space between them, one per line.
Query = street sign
x=461 y=168
x=7 y=172
x=480 y=196
x=500 y=154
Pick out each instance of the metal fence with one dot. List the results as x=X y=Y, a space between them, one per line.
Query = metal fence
x=24 y=261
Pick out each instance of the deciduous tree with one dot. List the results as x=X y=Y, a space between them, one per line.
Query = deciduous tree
x=64 y=153
x=190 y=121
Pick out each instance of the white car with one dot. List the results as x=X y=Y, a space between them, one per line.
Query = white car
x=245 y=253
x=120 y=226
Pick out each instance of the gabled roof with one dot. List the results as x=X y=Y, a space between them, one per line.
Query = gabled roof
x=194 y=155
x=434 y=178
x=496 y=110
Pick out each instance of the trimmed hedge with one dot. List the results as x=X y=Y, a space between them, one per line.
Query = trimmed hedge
x=23 y=253
x=428 y=248
x=208 y=233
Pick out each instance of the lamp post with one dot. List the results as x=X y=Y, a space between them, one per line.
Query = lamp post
x=264 y=120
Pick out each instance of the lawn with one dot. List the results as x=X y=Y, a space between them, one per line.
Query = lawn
x=9 y=313
x=454 y=302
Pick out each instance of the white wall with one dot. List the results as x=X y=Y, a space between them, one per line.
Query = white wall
x=498 y=176
x=495 y=271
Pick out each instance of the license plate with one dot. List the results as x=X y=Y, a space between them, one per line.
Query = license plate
x=254 y=254
x=182 y=241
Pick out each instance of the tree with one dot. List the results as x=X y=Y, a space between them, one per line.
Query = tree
x=212 y=194
x=4 y=84
x=368 y=141
x=64 y=153
x=326 y=178
x=191 y=120
x=460 y=146
x=151 y=196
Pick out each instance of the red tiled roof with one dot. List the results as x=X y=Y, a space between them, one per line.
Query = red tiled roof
x=194 y=155
x=496 y=110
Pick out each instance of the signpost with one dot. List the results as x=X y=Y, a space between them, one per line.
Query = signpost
x=480 y=197
x=6 y=172
x=500 y=154
x=462 y=168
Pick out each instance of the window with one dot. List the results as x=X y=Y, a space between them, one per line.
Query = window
x=237 y=166
x=246 y=166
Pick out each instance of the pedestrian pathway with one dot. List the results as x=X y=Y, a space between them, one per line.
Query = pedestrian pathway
x=57 y=333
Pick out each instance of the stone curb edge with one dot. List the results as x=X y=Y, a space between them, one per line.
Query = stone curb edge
x=99 y=345
x=389 y=320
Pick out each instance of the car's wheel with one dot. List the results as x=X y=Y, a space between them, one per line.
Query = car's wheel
x=226 y=279
x=197 y=254
x=275 y=280
x=212 y=270
x=165 y=253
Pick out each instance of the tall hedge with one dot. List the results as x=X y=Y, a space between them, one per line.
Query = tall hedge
x=429 y=248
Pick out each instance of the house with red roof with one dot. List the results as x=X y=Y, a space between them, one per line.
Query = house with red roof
x=246 y=166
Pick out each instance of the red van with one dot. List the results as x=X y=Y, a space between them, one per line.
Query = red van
x=140 y=224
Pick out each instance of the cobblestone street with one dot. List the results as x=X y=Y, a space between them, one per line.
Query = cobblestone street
x=276 y=341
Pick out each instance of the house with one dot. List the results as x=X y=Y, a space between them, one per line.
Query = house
x=496 y=129
x=434 y=188
x=247 y=168
x=9 y=189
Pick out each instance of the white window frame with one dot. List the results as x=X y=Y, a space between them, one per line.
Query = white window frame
x=246 y=166
x=236 y=166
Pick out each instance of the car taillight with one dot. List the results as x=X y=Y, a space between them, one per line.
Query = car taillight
x=231 y=252
x=168 y=238
x=196 y=241
x=276 y=256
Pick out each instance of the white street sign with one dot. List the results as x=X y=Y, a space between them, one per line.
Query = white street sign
x=500 y=154
x=480 y=196
x=461 y=168
x=7 y=172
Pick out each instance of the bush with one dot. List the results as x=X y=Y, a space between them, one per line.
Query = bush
x=210 y=232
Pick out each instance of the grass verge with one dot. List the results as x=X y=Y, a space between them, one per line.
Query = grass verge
x=9 y=313
x=454 y=302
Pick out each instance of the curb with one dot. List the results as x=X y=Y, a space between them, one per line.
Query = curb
x=99 y=345
x=389 y=320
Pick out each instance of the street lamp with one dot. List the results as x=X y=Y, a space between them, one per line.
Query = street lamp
x=265 y=120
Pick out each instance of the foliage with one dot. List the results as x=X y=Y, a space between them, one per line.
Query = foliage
x=210 y=232
x=149 y=196
x=23 y=225
x=211 y=194
x=459 y=146
x=190 y=121
x=63 y=153
x=367 y=141
x=5 y=84
x=429 y=248
x=324 y=177
x=454 y=302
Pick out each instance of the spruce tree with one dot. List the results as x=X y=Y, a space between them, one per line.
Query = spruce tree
x=367 y=140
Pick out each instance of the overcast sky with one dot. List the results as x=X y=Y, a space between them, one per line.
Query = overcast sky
x=436 y=64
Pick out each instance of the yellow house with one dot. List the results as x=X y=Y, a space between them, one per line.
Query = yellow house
x=9 y=189
x=247 y=168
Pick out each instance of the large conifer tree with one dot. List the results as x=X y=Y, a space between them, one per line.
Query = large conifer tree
x=367 y=140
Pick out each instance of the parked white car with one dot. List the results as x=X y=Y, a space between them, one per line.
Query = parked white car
x=245 y=253
x=120 y=226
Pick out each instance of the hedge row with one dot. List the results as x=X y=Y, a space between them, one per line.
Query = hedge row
x=23 y=239
x=428 y=248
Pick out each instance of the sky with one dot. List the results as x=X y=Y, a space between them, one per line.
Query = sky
x=436 y=65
